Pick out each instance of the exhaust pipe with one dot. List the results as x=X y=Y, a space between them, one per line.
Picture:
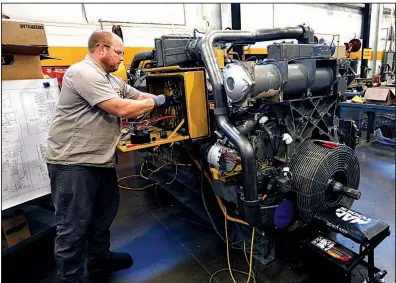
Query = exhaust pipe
x=205 y=46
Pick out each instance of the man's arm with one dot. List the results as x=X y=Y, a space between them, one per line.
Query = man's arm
x=133 y=103
x=133 y=93
x=126 y=108
x=145 y=95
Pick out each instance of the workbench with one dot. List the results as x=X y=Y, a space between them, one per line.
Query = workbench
x=355 y=111
x=350 y=94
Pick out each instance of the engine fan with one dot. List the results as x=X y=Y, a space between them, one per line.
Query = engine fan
x=323 y=175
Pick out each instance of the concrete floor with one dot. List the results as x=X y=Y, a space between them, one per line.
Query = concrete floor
x=167 y=249
x=377 y=184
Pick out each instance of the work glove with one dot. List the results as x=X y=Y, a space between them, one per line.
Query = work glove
x=176 y=100
x=162 y=101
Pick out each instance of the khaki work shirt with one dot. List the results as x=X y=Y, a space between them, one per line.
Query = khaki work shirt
x=82 y=133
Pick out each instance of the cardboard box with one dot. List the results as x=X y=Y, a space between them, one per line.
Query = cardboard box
x=339 y=52
x=381 y=96
x=20 y=67
x=15 y=229
x=24 y=38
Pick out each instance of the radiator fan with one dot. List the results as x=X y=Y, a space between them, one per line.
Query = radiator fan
x=323 y=173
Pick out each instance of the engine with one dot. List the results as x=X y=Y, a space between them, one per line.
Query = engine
x=275 y=147
x=286 y=107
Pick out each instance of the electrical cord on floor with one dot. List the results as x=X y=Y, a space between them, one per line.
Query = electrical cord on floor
x=226 y=238
x=251 y=254
x=147 y=178
x=155 y=189
x=174 y=178
x=132 y=188
x=196 y=223
x=134 y=176
x=228 y=259
x=226 y=269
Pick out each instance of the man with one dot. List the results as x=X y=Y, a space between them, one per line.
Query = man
x=81 y=156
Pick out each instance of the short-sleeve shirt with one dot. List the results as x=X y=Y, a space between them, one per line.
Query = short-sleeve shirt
x=81 y=132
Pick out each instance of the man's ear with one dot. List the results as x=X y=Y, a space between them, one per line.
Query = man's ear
x=101 y=50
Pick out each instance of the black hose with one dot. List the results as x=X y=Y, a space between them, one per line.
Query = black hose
x=142 y=56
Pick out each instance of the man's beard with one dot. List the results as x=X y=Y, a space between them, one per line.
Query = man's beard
x=108 y=67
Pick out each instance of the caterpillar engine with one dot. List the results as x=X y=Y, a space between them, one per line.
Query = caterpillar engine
x=267 y=130
x=265 y=134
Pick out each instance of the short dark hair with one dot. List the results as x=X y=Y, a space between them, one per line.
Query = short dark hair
x=100 y=36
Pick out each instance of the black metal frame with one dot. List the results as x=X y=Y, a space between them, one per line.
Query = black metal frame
x=358 y=258
x=236 y=24
x=365 y=36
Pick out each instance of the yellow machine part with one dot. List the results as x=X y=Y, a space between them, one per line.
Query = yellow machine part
x=215 y=173
x=126 y=146
x=237 y=170
x=121 y=72
x=67 y=56
x=197 y=111
x=196 y=102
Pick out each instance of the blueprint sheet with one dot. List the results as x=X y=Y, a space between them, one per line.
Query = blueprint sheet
x=27 y=111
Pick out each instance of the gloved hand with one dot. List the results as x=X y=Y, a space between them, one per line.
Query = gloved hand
x=162 y=101
x=175 y=100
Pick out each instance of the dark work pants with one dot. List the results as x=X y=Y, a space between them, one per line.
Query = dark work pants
x=86 y=201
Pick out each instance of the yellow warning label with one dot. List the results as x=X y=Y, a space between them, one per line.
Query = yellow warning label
x=367 y=52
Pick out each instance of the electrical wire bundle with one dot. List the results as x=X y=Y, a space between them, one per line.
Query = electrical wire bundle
x=148 y=178
x=147 y=124
x=230 y=158
x=176 y=109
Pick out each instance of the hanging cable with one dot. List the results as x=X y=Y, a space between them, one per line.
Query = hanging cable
x=206 y=208
x=247 y=260
x=251 y=255
x=228 y=251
